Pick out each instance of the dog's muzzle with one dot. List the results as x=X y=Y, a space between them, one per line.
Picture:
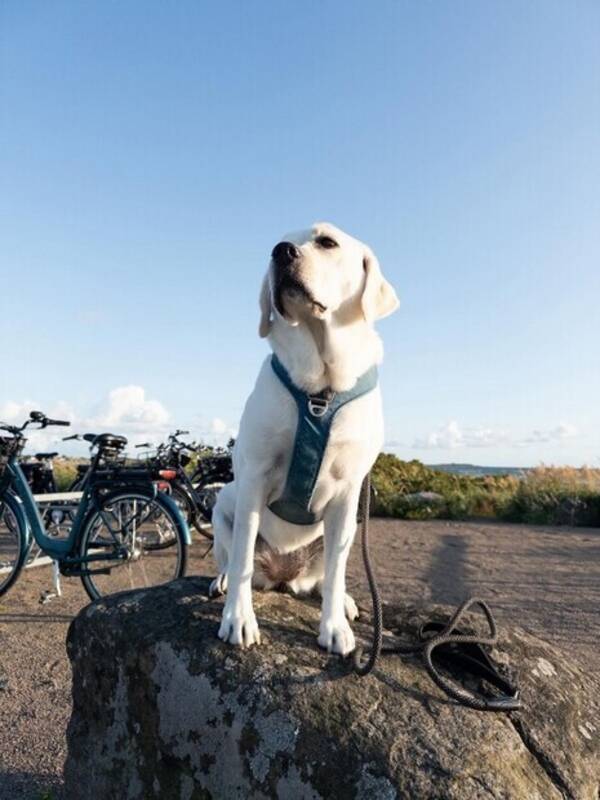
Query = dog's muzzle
x=285 y=259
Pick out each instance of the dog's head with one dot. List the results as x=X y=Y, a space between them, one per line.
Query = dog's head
x=326 y=274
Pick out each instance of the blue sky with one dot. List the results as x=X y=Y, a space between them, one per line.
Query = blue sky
x=152 y=153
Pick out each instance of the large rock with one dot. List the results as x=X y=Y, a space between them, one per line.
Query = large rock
x=163 y=709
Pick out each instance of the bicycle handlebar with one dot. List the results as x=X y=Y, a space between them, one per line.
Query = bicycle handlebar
x=35 y=416
x=43 y=420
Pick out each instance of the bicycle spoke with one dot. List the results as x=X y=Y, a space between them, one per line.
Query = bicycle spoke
x=103 y=517
x=142 y=531
x=143 y=570
x=130 y=573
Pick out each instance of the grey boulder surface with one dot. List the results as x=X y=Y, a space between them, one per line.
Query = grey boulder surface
x=163 y=709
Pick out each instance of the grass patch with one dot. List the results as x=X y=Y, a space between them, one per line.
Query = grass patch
x=65 y=472
x=545 y=495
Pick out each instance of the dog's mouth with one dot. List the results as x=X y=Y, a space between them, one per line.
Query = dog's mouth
x=296 y=290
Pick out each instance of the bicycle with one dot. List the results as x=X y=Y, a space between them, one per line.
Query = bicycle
x=125 y=533
x=213 y=470
x=167 y=471
x=196 y=494
x=39 y=471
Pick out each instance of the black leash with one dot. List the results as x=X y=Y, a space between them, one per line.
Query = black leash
x=454 y=646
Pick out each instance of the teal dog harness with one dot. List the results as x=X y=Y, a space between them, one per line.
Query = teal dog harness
x=315 y=416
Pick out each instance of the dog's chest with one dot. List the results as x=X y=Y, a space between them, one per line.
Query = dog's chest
x=354 y=439
x=268 y=432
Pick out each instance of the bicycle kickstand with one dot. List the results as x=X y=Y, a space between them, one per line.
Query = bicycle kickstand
x=56 y=588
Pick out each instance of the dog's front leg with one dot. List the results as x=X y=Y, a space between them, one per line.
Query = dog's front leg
x=335 y=634
x=238 y=624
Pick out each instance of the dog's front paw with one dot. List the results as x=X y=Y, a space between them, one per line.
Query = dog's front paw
x=336 y=636
x=239 y=626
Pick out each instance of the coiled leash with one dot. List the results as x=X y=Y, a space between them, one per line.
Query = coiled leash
x=454 y=646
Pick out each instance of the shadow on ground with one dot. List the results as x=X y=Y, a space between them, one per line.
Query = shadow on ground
x=30 y=786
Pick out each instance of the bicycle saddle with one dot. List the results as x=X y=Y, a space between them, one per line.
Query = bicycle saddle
x=106 y=440
x=46 y=455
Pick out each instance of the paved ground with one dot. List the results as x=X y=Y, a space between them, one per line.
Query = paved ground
x=544 y=579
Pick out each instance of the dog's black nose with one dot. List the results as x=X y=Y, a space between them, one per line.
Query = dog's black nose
x=284 y=253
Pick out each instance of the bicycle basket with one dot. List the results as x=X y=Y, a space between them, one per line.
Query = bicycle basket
x=9 y=447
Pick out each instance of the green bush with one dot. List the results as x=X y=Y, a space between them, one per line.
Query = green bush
x=65 y=472
x=545 y=495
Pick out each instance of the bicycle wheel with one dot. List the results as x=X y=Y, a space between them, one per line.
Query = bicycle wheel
x=13 y=549
x=206 y=497
x=142 y=537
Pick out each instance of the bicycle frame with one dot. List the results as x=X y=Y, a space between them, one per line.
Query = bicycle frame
x=64 y=550
x=35 y=527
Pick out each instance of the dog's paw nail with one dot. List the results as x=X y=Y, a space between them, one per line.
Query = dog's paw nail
x=251 y=635
x=238 y=628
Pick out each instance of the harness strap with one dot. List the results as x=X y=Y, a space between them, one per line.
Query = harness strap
x=315 y=417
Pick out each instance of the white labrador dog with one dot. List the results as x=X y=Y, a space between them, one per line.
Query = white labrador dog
x=321 y=294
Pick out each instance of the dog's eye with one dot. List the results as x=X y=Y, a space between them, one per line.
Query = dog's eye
x=326 y=242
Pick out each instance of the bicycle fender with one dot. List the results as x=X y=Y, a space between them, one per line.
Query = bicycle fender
x=180 y=519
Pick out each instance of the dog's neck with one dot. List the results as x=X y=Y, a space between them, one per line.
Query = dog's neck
x=319 y=354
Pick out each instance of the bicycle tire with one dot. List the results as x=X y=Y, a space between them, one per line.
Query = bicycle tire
x=207 y=489
x=90 y=583
x=18 y=529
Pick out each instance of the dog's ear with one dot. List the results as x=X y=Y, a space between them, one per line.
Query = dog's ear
x=378 y=298
x=265 y=308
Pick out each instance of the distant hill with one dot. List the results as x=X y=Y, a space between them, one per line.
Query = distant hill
x=473 y=469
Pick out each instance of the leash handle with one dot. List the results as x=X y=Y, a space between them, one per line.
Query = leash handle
x=449 y=635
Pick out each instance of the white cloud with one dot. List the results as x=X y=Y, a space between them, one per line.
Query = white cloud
x=558 y=434
x=451 y=437
x=218 y=425
x=126 y=410
x=130 y=412
x=215 y=432
x=394 y=443
x=15 y=413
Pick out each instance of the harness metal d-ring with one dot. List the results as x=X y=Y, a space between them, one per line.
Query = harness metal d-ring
x=318 y=406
